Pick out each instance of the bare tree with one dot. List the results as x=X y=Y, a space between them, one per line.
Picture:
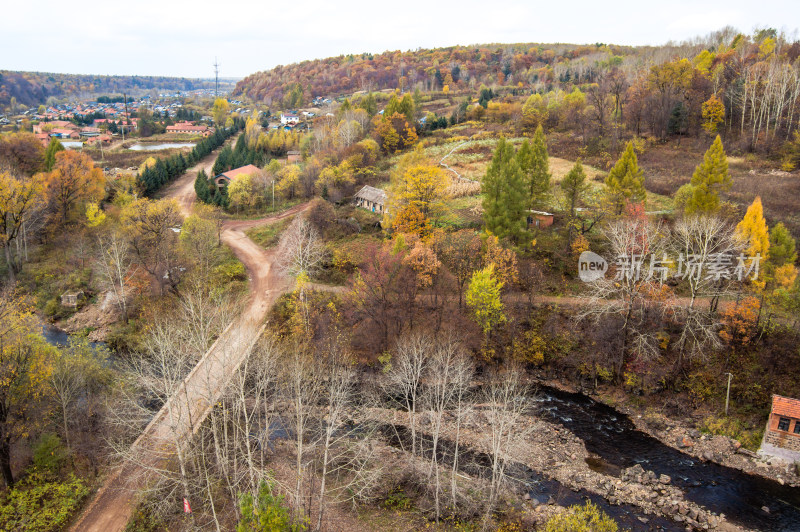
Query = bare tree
x=404 y=380
x=338 y=395
x=448 y=377
x=634 y=294
x=301 y=386
x=157 y=373
x=505 y=396
x=701 y=242
x=116 y=267
x=300 y=250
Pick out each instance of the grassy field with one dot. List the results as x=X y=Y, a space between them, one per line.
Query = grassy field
x=470 y=159
x=268 y=235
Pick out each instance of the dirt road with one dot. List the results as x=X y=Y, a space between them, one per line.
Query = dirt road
x=185 y=411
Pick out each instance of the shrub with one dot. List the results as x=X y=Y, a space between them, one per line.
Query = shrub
x=49 y=453
x=530 y=347
x=266 y=514
x=230 y=271
x=585 y=518
x=733 y=428
x=40 y=504
x=52 y=307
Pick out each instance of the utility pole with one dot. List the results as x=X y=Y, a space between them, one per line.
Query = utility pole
x=216 y=78
x=127 y=116
x=728 y=394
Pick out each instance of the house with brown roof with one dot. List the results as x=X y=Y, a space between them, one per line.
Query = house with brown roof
x=782 y=435
x=187 y=127
x=44 y=138
x=224 y=179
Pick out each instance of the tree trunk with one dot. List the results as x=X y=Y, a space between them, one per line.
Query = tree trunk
x=5 y=462
x=10 y=265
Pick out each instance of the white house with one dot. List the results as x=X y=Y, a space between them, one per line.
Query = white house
x=289 y=118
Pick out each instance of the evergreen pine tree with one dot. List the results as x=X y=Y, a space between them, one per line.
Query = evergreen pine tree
x=625 y=182
x=50 y=154
x=574 y=187
x=534 y=162
x=201 y=186
x=709 y=179
x=505 y=198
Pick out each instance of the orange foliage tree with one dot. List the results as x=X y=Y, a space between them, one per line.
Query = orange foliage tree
x=74 y=180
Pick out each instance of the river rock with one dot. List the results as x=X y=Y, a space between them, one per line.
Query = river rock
x=664 y=479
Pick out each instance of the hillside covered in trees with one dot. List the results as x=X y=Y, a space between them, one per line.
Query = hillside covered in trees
x=34 y=88
x=750 y=84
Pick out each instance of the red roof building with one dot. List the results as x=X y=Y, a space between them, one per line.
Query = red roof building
x=783 y=428
x=187 y=127
x=226 y=177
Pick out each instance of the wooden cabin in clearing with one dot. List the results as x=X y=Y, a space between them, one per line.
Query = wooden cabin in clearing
x=371 y=198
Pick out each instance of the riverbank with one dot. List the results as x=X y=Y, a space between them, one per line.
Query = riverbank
x=684 y=436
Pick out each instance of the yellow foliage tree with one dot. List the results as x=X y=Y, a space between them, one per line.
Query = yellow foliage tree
x=74 y=179
x=753 y=233
x=713 y=112
x=419 y=182
x=410 y=220
x=241 y=192
x=220 y=111
x=94 y=215
x=24 y=370
x=18 y=198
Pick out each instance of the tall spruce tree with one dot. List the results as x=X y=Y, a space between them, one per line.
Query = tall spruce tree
x=709 y=179
x=625 y=182
x=50 y=154
x=574 y=187
x=505 y=198
x=535 y=165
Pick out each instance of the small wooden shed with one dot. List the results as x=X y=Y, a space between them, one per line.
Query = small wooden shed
x=540 y=219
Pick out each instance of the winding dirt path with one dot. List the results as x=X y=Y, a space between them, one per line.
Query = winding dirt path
x=184 y=412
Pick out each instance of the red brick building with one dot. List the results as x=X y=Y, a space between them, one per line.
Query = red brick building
x=783 y=428
x=540 y=219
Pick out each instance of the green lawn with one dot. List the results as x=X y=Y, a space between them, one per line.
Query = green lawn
x=269 y=234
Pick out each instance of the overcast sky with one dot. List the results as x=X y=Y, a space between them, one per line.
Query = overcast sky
x=181 y=38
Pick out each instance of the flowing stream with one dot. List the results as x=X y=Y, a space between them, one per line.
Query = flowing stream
x=612 y=436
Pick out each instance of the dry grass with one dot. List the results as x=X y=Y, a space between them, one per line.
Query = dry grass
x=669 y=166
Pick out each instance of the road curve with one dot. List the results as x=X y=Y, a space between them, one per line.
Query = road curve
x=111 y=507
